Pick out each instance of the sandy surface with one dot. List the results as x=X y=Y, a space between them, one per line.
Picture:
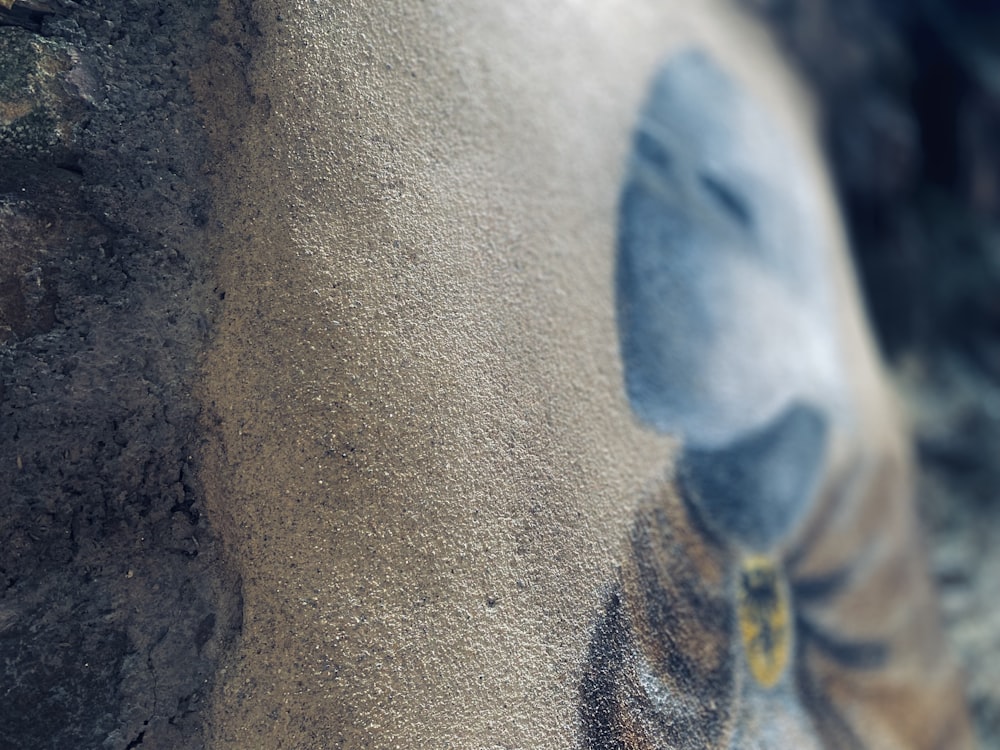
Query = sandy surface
x=423 y=463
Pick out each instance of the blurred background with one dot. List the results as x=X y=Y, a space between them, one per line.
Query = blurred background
x=909 y=92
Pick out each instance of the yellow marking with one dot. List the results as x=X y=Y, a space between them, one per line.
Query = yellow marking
x=765 y=618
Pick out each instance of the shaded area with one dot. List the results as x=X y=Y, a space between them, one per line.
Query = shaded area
x=115 y=607
x=758 y=488
x=911 y=102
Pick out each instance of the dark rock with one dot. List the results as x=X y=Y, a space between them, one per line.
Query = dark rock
x=44 y=91
x=42 y=219
x=115 y=602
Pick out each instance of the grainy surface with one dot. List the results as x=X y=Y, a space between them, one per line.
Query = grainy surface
x=114 y=603
x=425 y=459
